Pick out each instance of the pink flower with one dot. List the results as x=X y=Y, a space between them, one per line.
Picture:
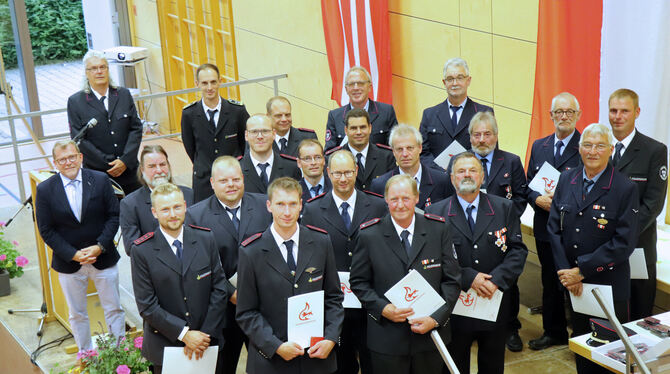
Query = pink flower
x=122 y=369
x=3 y=257
x=21 y=261
x=138 y=342
x=86 y=354
x=16 y=244
x=2 y=223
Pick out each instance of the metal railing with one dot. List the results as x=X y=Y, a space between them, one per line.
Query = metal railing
x=15 y=144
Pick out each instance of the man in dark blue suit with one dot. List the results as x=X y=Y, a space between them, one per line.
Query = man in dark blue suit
x=287 y=137
x=78 y=216
x=112 y=145
x=135 y=217
x=233 y=215
x=434 y=185
x=593 y=229
x=448 y=121
x=560 y=150
x=311 y=161
x=382 y=116
x=341 y=212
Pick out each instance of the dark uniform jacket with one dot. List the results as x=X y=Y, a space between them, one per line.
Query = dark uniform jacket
x=116 y=136
x=265 y=283
x=136 y=218
x=322 y=212
x=382 y=118
x=434 y=186
x=543 y=151
x=282 y=166
x=307 y=195
x=378 y=161
x=61 y=230
x=483 y=252
x=204 y=144
x=597 y=234
x=295 y=136
x=508 y=180
x=380 y=261
x=438 y=132
x=172 y=294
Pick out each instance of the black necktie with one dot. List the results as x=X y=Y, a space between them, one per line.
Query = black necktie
x=585 y=191
x=345 y=215
x=404 y=238
x=264 y=174
x=282 y=147
x=211 y=117
x=359 y=161
x=617 y=153
x=315 y=190
x=290 y=260
x=454 y=117
x=102 y=101
x=236 y=222
x=180 y=250
x=557 y=155
x=471 y=220
x=485 y=163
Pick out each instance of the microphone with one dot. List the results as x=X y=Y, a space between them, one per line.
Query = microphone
x=83 y=130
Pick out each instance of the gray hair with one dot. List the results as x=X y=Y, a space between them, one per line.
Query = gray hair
x=456 y=61
x=85 y=86
x=564 y=95
x=359 y=69
x=405 y=130
x=487 y=117
x=597 y=129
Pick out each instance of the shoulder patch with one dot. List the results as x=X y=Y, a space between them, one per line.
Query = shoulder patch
x=373 y=193
x=305 y=129
x=380 y=145
x=328 y=152
x=434 y=217
x=317 y=197
x=200 y=228
x=251 y=239
x=235 y=102
x=239 y=157
x=288 y=157
x=317 y=229
x=190 y=104
x=370 y=223
x=143 y=238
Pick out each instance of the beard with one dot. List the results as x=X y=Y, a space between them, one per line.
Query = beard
x=467 y=186
x=483 y=150
x=158 y=179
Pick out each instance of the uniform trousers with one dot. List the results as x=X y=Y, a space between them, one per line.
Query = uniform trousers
x=490 y=352
x=428 y=362
x=554 y=322
x=353 y=347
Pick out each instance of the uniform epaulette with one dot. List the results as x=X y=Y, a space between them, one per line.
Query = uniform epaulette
x=190 y=104
x=200 y=228
x=239 y=157
x=380 y=145
x=373 y=193
x=369 y=223
x=251 y=239
x=288 y=157
x=143 y=238
x=434 y=217
x=235 y=102
x=316 y=229
x=306 y=130
x=333 y=150
x=317 y=197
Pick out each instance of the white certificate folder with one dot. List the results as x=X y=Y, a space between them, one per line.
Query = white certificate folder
x=471 y=305
x=305 y=318
x=413 y=291
x=176 y=362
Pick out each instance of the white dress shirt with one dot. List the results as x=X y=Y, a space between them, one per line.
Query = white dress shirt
x=217 y=108
x=270 y=161
x=351 y=201
x=74 y=194
x=399 y=229
x=280 y=242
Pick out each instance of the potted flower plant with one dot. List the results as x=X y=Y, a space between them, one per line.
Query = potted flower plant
x=112 y=357
x=11 y=261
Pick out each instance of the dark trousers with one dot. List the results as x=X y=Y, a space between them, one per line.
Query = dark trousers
x=229 y=354
x=553 y=300
x=514 y=323
x=156 y=369
x=490 y=353
x=428 y=362
x=643 y=291
x=581 y=326
x=353 y=346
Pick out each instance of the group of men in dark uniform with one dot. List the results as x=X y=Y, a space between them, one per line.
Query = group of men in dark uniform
x=271 y=215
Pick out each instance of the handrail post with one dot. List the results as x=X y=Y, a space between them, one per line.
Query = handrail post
x=17 y=156
x=275 y=83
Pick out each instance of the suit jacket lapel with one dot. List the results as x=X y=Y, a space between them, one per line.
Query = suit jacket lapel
x=112 y=100
x=65 y=203
x=247 y=214
x=274 y=257
x=93 y=101
x=485 y=215
x=392 y=239
x=444 y=116
x=305 y=252
x=570 y=150
x=467 y=112
x=418 y=239
x=496 y=165
x=220 y=215
x=223 y=117
x=360 y=210
x=251 y=175
x=373 y=112
x=426 y=186
x=600 y=188
x=631 y=152
x=189 y=250
x=331 y=213
x=370 y=161
x=277 y=167
x=457 y=217
x=165 y=254
x=87 y=185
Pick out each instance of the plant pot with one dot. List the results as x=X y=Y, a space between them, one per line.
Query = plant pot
x=4 y=283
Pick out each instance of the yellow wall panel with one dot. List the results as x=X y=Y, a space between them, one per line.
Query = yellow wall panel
x=147 y=25
x=476 y=14
x=516 y=18
x=410 y=98
x=513 y=130
x=444 y=11
x=513 y=73
x=419 y=48
x=476 y=50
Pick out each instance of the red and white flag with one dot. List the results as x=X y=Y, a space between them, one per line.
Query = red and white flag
x=357 y=33
x=592 y=48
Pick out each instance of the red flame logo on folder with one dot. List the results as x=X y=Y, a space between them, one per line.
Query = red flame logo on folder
x=549 y=184
x=344 y=288
x=467 y=300
x=410 y=294
x=305 y=313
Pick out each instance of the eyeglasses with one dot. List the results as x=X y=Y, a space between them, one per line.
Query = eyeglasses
x=357 y=83
x=316 y=158
x=65 y=160
x=459 y=79
x=97 y=68
x=599 y=147
x=264 y=132
x=559 y=113
x=338 y=174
